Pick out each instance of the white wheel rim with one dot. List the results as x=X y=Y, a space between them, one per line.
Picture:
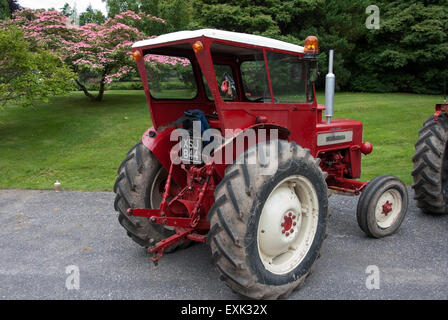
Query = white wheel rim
x=155 y=198
x=388 y=208
x=288 y=224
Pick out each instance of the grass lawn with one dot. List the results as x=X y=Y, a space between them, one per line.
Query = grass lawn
x=81 y=143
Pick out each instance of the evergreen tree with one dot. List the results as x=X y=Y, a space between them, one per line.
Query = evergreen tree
x=91 y=16
x=4 y=10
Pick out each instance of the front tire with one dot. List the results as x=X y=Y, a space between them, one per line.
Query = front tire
x=267 y=230
x=382 y=206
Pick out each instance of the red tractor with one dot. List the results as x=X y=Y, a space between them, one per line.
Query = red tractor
x=241 y=158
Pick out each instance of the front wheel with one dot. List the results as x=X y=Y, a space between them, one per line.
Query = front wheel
x=267 y=230
x=382 y=206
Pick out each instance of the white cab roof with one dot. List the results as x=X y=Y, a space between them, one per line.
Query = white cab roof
x=221 y=35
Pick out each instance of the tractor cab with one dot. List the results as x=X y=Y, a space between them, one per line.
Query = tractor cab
x=235 y=79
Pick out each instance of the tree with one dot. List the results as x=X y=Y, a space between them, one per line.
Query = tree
x=118 y=6
x=66 y=10
x=13 y=6
x=28 y=75
x=176 y=13
x=409 y=52
x=337 y=24
x=7 y=8
x=97 y=53
x=4 y=9
x=91 y=16
x=240 y=16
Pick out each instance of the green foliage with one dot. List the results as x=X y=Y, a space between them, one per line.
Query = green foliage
x=409 y=53
x=171 y=80
x=337 y=24
x=176 y=13
x=116 y=85
x=66 y=10
x=91 y=16
x=126 y=85
x=13 y=6
x=98 y=53
x=7 y=8
x=240 y=16
x=4 y=10
x=27 y=76
x=118 y=6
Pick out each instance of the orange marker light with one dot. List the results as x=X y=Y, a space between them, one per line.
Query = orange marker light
x=311 y=45
x=136 y=55
x=198 y=46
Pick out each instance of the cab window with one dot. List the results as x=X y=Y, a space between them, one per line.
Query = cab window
x=255 y=83
x=289 y=77
x=252 y=73
x=170 y=77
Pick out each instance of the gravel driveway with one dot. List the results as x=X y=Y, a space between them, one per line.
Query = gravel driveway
x=43 y=232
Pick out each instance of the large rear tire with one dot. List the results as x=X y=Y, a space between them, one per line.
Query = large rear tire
x=267 y=230
x=431 y=166
x=140 y=177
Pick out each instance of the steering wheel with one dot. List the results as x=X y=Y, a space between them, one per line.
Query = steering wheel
x=261 y=99
x=228 y=86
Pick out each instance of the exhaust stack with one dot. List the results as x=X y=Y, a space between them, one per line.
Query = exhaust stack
x=330 y=81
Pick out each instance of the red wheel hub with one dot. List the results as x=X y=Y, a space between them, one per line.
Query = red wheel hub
x=288 y=223
x=387 y=207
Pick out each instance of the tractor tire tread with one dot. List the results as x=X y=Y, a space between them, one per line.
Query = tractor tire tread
x=366 y=198
x=134 y=175
x=230 y=214
x=429 y=158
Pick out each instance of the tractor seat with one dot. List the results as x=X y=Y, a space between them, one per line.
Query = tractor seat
x=213 y=121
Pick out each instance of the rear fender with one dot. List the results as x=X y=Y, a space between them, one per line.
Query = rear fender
x=283 y=133
x=160 y=145
x=440 y=108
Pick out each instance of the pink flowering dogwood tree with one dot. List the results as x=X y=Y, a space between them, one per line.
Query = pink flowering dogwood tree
x=103 y=52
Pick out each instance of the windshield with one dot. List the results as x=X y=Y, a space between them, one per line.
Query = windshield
x=289 y=75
